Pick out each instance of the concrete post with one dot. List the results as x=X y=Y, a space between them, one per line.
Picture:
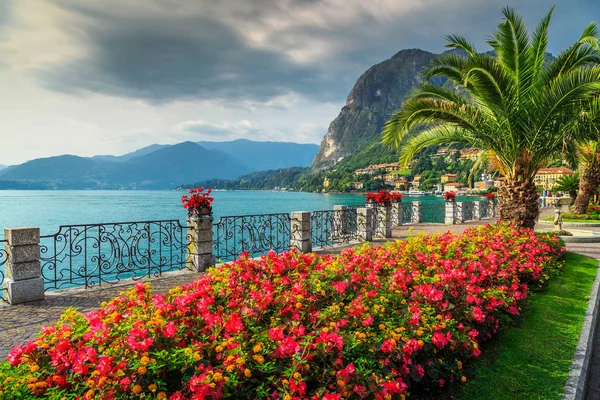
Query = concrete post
x=417 y=216
x=477 y=206
x=397 y=213
x=340 y=220
x=459 y=216
x=201 y=243
x=24 y=280
x=300 y=231
x=450 y=213
x=365 y=231
x=384 y=221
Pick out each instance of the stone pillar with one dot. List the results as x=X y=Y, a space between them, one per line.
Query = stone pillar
x=340 y=220
x=300 y=231
x=384 y=221
x=450 y=213
x=477 y=207
x=397 y=213
x=365 y=231
x=417 y=216
x=459 y=216
x=24 y=280
x=201 y=243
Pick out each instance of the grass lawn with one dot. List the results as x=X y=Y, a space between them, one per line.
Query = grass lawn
x=584 y=221
x=532 y=358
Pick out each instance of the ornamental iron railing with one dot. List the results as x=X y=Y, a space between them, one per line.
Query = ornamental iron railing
x=253 y=234
x=95 y=254
x=484 y=208
x=334 y=227
x=407 y=212
x=3 y=262
x=467 y=210
x=433 y=212
x=378 y=223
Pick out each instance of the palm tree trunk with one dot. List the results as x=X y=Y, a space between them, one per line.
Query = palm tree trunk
x=517 y=203
x=589 y=181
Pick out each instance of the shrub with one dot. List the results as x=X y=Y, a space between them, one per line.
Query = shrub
x=374 y=322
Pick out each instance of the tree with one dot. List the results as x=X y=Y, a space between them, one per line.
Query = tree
x=568 y=184
x=588 y=156
x=515 y=106
x=589 y=177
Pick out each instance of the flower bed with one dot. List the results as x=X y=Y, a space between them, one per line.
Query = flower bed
x=378 y=322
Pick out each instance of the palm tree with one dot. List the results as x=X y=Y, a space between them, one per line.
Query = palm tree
x=568 y=184
x=516 y=107
x=589 y=181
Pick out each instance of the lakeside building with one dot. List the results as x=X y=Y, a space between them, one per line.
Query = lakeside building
x=483 y=185
x=326 y=182
x=358 y=185
x=375 y=168
x=469 y=154
x=452 y=187
x=546 y=177
x=402 y=185
x=449 y=178
x=417 y=180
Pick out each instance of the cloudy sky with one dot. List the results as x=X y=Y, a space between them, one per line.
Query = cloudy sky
x=107 y=77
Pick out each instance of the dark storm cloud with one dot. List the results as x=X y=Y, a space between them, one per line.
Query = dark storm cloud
x=143 y=53
x=185 y=58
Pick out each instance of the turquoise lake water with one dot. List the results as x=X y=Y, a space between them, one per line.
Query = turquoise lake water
x=50 y=209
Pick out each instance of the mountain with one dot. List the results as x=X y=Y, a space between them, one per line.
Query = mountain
x=256 y=156
x=262 y=156
x=184 y=162
x=376 y=94
x=128 y=156
x=158 y=166
x=160 y=169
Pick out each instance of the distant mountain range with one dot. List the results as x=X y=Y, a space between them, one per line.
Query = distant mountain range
x=157 y=166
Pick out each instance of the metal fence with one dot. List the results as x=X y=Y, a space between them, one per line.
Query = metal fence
x=484 y=208
x=91 y=255
x=3 y=262
x=433 y=212
x=334 y=227
x=254 y=234
x=468 y=209
x=407 y=212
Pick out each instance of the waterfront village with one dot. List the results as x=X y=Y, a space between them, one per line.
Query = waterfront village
x=392 y=176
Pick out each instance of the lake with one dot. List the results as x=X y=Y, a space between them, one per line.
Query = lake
x=50 y=209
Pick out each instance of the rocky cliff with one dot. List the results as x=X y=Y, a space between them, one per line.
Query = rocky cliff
x=377 y=93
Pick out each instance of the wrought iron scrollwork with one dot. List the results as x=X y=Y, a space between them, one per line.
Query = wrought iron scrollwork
x=90 y=255
x=407 y=212
x=334 y=227
x=3 y=262
x=433 y=212
x=254 y=234
x=468 y=210
x=484 y=208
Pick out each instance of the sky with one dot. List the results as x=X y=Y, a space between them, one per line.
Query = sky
x=109 y=77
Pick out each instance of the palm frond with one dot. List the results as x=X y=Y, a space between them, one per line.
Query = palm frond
x=460 y=43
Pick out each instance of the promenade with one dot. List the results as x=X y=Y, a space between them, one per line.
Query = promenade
x=20 y=323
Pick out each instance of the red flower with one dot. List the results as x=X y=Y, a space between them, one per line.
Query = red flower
x=198 y=200
x=449 y=196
